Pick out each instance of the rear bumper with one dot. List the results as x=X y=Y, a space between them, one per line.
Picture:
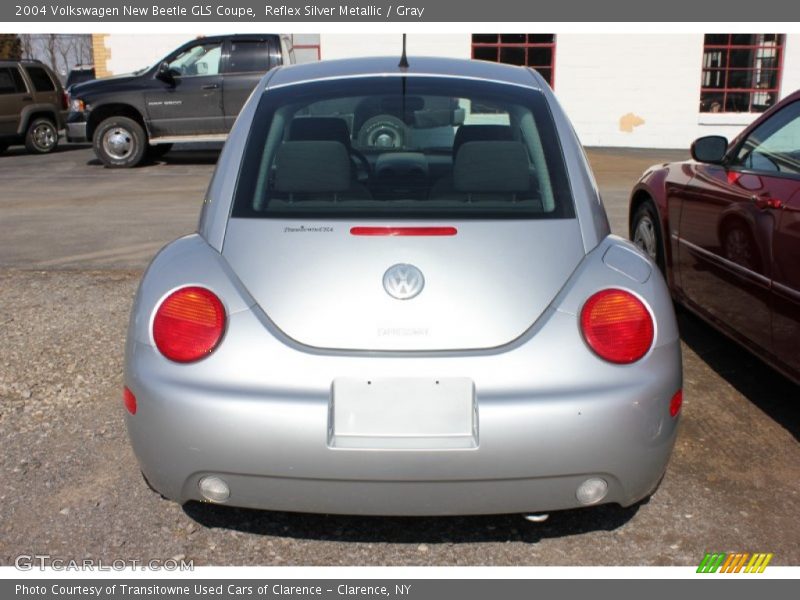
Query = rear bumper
x=410 y=498
x=272 y=446
x=258 y=411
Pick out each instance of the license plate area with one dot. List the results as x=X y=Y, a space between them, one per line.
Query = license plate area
x=403 y=413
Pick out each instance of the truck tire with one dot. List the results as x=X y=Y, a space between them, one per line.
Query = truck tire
x=4 y=146
x=120 y=142
x=41 y=136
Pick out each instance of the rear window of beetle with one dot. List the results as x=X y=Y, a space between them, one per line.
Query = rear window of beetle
x=394 y=147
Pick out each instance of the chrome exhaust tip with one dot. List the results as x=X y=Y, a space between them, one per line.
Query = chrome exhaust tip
x=536 y=518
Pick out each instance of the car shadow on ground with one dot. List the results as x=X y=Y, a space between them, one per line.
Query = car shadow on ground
x=62 y=147
x=407 y=530
x=188 y=157
x=174 y=157
x=770 y=391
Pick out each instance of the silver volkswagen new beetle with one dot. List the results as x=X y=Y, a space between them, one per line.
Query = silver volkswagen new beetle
x=403 y=299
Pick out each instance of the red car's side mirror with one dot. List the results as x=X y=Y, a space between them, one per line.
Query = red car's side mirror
x=710 y=149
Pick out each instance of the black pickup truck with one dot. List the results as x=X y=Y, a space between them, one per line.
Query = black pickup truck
x=193 y=95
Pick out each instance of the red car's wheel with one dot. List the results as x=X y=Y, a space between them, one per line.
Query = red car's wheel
x=646 y=233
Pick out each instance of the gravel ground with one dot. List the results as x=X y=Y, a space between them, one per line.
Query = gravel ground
x=70 y=486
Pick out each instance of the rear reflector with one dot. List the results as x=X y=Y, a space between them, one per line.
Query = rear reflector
x=617 y=326
x=676 y=403
x=396 y=231
x=130 y=400
x=189 y=324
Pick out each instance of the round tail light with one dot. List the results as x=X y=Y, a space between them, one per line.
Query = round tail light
x=617 y=326
x=189 y=324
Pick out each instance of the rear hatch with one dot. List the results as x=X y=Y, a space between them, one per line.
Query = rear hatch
x=482 y=158
x=323 y=286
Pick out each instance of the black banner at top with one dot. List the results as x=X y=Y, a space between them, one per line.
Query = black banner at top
x=436 y=11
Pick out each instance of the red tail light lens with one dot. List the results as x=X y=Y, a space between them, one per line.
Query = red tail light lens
x=675 y=404
x=129 y=400
x=65 y=100
x=189 y=324
x=617 y=326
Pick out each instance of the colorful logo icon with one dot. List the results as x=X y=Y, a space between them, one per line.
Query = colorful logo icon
x=734 y=562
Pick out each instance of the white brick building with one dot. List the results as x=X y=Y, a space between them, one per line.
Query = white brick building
x=648 y=90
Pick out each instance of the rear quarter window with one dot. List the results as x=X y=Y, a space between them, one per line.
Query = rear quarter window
x=40 y=79
x=408 y=147
x=11 y=81
x=249 y=57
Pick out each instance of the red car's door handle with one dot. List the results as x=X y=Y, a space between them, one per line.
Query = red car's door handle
x=764 y=202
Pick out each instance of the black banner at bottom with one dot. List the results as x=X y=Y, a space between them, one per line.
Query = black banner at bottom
x=730 y=588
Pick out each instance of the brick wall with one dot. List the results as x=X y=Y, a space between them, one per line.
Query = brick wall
x=101 y=54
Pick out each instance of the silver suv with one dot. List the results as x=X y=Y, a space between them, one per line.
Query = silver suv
x=32 y=106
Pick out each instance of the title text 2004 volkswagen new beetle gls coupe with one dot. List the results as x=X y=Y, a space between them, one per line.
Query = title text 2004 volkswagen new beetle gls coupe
x=403 y=299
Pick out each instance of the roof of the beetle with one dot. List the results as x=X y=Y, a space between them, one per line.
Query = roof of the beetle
x=418 y=66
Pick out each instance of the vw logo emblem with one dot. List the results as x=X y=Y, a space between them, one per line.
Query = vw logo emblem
x=403 y=281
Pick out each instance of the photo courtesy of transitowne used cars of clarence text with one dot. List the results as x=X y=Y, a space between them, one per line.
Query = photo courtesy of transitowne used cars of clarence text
x=403 y=299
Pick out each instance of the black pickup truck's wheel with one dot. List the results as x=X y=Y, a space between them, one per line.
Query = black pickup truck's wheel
x=42 y=136
x=4 y=146
x=120 y=142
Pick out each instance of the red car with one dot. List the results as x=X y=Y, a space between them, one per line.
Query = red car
x=725 y=230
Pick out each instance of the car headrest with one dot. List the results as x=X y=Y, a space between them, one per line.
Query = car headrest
x=480 y=133
x=307 y=167
x=331 y=129
x=491 y=167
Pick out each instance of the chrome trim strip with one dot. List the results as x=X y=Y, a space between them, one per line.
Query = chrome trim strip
x=177 y=139
x=367 y=75
x=777 y=286
x=730 y=264
x=787 y=291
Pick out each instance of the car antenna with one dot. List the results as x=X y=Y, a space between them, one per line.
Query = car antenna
x=403 y=65
x=403 y=58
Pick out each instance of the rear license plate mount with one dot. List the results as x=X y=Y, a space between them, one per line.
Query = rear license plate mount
x=403 y=413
